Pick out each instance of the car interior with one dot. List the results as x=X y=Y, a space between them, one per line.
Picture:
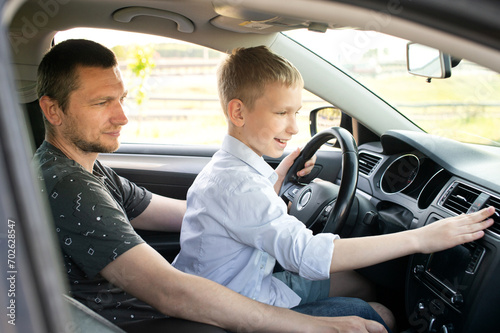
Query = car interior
x=385 y=172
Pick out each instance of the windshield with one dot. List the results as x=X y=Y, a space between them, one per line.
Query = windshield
x=464 y=107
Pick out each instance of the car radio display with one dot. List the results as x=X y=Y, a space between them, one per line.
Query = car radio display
x=450 y=266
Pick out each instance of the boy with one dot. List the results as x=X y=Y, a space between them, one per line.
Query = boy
x=236 y=226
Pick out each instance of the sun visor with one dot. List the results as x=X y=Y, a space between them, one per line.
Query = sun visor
x=243 y=20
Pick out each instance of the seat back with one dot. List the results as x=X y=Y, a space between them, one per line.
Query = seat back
x=35 y=118
x=88 y=321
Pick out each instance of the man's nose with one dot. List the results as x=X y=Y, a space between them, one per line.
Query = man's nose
x=119 y=116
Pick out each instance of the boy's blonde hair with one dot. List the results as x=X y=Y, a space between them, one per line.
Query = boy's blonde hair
x=245 y=73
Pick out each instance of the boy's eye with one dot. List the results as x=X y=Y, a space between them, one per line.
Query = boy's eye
x=284 y=113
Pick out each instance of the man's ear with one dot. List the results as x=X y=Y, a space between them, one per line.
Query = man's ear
x=51 y=110
x=235 y=112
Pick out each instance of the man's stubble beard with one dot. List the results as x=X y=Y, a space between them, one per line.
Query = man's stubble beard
x=85 y=145
x=92 y=147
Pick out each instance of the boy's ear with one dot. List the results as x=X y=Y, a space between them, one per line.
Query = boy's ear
x=51 y=110
x=235 y=112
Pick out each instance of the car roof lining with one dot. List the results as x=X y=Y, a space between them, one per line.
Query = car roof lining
x=330 y=13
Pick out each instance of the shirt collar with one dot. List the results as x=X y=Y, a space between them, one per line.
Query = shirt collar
x=244 y=153
x=53 y=150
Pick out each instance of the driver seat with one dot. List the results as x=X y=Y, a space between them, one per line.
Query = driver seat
x=89 y=321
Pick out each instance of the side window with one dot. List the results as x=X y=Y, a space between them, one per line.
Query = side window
x=172 y=89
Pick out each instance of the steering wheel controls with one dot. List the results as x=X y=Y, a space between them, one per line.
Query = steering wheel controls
x=304 y=200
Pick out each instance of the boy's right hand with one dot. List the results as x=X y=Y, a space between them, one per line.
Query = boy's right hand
x=286 y=164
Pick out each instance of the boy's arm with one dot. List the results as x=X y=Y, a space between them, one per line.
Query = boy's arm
x=144 y=273
x=353 y=253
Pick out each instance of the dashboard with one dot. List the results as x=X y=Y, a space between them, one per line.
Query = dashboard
x=415 y=179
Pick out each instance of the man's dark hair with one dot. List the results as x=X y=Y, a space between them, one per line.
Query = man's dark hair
x=57 y=72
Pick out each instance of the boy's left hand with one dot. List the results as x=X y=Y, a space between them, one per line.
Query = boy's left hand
x=455 y=230
x=287 y=162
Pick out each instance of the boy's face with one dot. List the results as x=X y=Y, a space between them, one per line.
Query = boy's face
x=272 y=122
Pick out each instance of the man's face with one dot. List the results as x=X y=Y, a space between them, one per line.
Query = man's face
x=272 y=121
x=95 y=115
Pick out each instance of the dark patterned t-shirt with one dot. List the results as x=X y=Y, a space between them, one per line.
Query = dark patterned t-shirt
x=92 y=214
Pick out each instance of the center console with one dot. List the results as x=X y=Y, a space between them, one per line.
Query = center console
x=455 y=290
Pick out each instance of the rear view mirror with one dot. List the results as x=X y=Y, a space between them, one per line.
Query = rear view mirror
x=426 y=61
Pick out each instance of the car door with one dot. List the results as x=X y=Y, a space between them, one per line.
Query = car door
x=30 y=263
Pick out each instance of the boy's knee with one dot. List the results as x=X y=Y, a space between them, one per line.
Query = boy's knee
x=386 y=314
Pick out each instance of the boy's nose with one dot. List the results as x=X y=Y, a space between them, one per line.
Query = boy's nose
x=292 y=126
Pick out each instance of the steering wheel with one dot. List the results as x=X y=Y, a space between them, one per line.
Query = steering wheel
x=323 y=201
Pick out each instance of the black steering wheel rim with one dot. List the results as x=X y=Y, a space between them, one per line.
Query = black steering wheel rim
x=349 y=179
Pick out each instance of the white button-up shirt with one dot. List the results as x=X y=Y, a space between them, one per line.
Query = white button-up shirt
x=236 y=225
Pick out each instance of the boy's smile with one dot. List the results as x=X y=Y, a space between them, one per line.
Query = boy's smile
x=268 y=127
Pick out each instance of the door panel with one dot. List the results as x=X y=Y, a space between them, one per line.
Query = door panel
x=168 y=175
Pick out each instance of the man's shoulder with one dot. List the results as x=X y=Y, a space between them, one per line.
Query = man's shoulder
x=47 y=156
x=53 y=166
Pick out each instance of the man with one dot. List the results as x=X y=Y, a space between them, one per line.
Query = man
x=110 y=268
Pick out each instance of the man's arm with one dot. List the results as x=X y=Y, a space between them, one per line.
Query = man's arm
x=144 y=273
x=353 y=253
x=162 y=214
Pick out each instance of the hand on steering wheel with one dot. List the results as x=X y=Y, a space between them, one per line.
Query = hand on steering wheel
x=307 y=198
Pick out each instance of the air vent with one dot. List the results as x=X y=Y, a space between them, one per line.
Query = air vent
x=461 y=198
x=367 y=163
x=495 y=202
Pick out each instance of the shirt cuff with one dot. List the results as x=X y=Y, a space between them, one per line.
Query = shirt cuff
x=317 y=257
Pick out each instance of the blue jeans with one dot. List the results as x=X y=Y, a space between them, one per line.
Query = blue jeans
x=339 y=307
x=308 y=290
